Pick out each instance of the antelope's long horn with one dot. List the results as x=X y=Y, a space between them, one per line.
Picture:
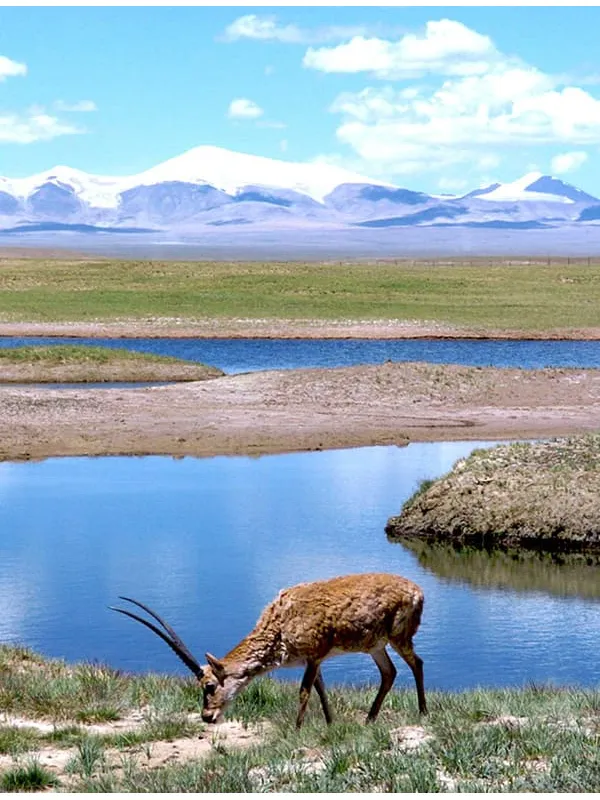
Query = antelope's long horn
x=170 y=637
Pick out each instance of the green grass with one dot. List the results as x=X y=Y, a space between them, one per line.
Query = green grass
x=62 y=354
x=83 y=363
x=532 y=739
x=55 y=691
x=17 y=740
x=549 y=744
x=484 y=295
x=29 y=778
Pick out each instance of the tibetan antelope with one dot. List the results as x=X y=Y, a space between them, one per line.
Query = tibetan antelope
x=306 y=624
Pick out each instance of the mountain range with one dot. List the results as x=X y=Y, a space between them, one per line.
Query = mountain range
x=209 y=187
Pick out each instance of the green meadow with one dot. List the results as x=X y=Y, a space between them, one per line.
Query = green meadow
x=480 y=295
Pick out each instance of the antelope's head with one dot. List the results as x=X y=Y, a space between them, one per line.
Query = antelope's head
x=219 y=685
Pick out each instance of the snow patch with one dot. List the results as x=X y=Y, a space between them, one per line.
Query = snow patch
x=519 y=191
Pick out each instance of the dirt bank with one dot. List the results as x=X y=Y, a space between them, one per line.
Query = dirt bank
x=293 y=410
x=184 y=328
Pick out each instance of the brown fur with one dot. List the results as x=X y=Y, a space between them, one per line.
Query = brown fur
x=307 y=623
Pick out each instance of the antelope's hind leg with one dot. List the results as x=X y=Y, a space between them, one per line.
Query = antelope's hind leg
x=406 y=651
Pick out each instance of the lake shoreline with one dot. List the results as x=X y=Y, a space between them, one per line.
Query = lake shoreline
x=230 y=328
x=279 y=411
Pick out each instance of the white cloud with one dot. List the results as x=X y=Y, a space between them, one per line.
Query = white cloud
x=79 y=106
x=251 y=26
x=34 y=124
x=466 y=118
x=283 y=145
x=11 y=69
x=568 y=162
x=28 y=128
x=488 y=161
x=268 y=29
x=446 y=47
x=242 y=108
x=513 y=107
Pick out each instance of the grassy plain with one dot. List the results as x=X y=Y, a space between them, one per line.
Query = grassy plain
x=535 y=739
x=484 y=294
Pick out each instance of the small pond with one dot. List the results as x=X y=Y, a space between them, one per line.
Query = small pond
x=208 y=542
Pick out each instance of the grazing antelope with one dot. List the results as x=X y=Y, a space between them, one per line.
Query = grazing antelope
x=306 y=624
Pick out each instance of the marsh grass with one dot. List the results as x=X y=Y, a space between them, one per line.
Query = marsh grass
x=55 y=691
x=483 y=295
x=31 y=777
x=537 y=738
x=89 y=758
x=14 y=741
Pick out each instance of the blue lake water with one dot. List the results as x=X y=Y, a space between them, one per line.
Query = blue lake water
x=244 y=355
x=208 y=542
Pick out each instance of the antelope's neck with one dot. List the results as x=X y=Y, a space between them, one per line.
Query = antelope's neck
x=257 y=653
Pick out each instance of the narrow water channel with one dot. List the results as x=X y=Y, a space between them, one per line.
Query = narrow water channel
x=246 y=355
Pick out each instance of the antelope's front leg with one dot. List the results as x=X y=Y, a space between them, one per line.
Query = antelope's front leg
x=320 y=687
x=308 y=679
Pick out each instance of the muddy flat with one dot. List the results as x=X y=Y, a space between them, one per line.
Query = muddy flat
x=303 y=409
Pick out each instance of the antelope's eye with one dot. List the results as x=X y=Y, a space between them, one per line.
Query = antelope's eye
x=209 y=688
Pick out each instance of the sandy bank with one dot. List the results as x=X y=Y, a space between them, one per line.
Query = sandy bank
x=294 y=410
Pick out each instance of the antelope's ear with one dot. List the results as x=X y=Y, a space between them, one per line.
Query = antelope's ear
x=217 y=667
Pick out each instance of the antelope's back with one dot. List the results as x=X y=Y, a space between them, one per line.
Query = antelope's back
x=349 y=613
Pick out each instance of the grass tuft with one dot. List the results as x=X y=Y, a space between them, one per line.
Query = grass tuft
x=31 y=777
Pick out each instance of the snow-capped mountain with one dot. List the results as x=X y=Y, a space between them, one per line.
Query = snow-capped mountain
x=533 y=187
x=208 y=187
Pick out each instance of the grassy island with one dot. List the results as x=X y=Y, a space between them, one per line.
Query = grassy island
x=63 y=363
x=538 y=495
x=91 y=728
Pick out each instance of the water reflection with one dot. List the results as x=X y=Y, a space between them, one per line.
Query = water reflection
x=566 y=575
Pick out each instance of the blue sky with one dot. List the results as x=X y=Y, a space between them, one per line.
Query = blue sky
x=442 y=99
